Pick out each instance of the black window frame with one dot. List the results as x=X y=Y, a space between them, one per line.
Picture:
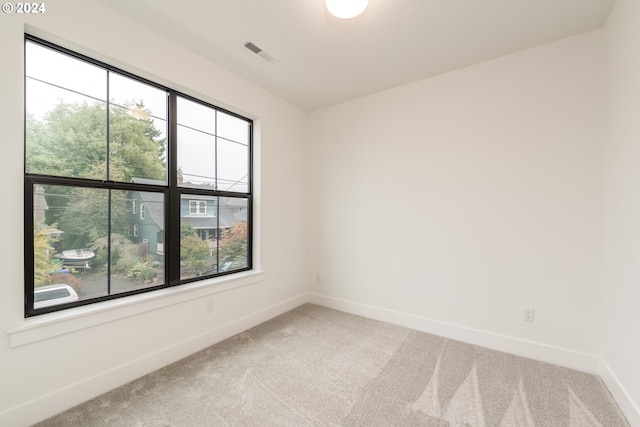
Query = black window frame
x=172 y=193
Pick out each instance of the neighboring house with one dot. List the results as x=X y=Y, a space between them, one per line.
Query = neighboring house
x=146 y=220
x=204 y=214
x=209 y=218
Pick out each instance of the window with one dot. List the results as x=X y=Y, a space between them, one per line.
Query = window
x=102 y=145
x=197 y=207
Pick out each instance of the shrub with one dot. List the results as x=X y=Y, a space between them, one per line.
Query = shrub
x=68 y=279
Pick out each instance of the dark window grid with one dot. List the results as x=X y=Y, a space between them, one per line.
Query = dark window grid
x=172 y=192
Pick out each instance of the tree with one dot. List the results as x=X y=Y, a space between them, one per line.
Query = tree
x=136 y=149
x=195 y=253
x=234 y=246
x=43 y=264
x=71 y=141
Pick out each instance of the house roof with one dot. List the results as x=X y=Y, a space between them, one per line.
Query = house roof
x=233 y=210
x=227 y=217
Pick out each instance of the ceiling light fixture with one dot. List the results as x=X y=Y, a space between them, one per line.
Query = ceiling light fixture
x=346 y=9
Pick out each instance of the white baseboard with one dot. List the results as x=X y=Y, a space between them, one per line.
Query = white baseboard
x=556 y=355
x=630 y=408
x=52 y=403
x=47 y=405
x=538 y=351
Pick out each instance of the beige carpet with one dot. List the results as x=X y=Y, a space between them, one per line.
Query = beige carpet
x=319 y=367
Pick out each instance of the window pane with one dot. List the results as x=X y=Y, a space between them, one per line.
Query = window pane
x=234 y=235
x=198 y=235
x=137 y=244
x=68 y=224
x=196 y=116
x=196 y=158
x=66 y=115
x=196 y=144
x=72 y=248
x=233 y=128
x=138 y=96
x=64 y=71
x=69 y=140
x=233 y=153
x=233 y=167
x=137 y=148
x=138 y=130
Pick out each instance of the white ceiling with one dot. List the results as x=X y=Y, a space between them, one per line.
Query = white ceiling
x=322 y=60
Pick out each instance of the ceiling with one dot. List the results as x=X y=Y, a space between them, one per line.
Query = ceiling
x=321 y=60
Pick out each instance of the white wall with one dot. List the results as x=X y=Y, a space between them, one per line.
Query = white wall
x=88 y=354
x=453 y=203
x=621 y=248
x=449 y=204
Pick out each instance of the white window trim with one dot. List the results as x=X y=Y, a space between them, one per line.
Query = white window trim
x=194 y=207
x=63 y=322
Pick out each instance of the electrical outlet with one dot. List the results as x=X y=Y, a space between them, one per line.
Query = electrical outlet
x=208 y=307
x=317 y=278
x=529 y=314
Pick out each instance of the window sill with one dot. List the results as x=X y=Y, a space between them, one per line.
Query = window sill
x=63 y=322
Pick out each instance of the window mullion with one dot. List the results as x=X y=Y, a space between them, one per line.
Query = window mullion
x=172 y=208
x=29 y=225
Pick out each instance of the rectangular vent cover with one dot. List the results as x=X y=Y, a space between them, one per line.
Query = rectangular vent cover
x=261 y=53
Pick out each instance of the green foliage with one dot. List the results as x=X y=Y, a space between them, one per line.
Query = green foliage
x=43 y=264
x=136 y=149
x=141 y=270
x=195 y=254
x=71 y=141
x=147 y=274
x=187 y=230
x=123 y=253
x=234 y=246
x=124 y=258
x=126 y=261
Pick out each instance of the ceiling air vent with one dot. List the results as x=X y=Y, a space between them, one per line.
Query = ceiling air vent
x=261 y=53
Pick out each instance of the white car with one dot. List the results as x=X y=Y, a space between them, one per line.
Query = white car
x=46 y=296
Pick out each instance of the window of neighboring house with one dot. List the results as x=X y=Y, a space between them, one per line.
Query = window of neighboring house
x=197 y=207
x=98 y=137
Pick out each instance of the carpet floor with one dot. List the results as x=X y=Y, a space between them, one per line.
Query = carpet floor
x=314 y=366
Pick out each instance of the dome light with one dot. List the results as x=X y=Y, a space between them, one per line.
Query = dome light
x=346 y=9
